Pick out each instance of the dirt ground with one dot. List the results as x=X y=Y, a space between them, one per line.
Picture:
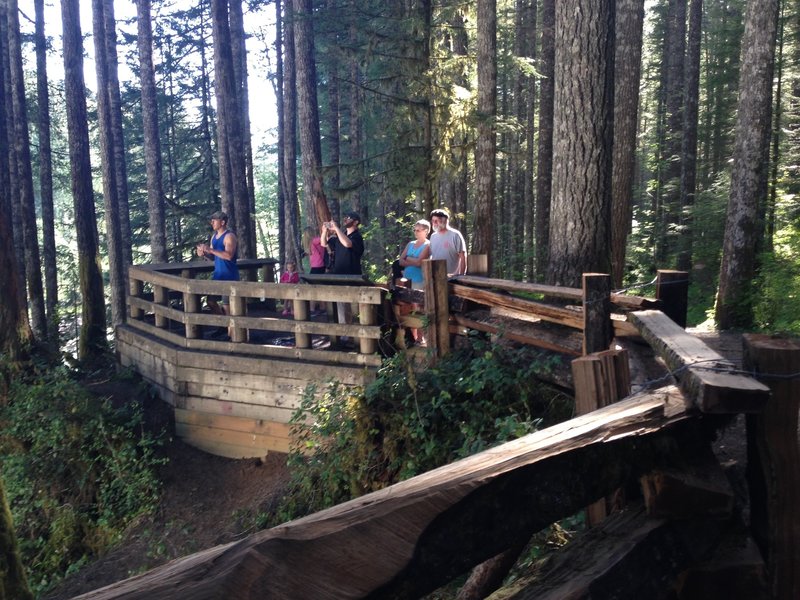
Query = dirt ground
x=209 y=500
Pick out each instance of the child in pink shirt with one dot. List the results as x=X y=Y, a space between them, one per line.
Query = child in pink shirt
x=289 y=275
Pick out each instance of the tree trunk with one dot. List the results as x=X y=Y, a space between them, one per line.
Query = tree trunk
x=13 y=583
x=333 y=134
x=290 y=207
x=46 y=177
x=482 y=235
x=750 y=167
x=229 y=131
x=689 y=147
x=152 y=142
x=282 y=133
x=117 y=136
x=92 y=344
x=308 y=114
x=627 y=74
x=22 y=151
x=108 y=159
x=583 y=122
x=544 y=175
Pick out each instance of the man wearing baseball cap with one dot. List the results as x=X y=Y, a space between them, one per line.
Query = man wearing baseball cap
x=347 y=245
x=222 y=248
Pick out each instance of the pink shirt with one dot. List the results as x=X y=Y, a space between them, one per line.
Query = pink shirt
x=317 y=258
x=287 y=277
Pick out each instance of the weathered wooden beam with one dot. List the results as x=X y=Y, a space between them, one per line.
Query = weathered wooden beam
x=437 y=308
x=711 y=381
x=410 y=538
x=773 y=457
x=545 y=312
x=553 y=291
x=530 y=334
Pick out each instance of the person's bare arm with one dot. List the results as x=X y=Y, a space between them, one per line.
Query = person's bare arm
x=462 y=263
x=342 y=235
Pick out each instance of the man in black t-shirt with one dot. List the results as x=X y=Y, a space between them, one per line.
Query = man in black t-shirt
x=347 y=245
x=348 y=248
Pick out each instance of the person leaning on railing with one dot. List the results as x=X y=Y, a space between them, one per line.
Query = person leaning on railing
x=222 y=248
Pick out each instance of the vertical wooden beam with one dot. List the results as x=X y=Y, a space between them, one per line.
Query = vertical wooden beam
x=160 y=295
x=300 y=308
x=368 y=315
x=600 y=379
x=268 y=273
x=135 y=289
x=191 y=304
x=773 y=457
x=437 y=307
x=238 y=308
x=597 y=330
x=672 y=289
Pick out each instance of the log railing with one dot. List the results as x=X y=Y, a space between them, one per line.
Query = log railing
x=166 y=301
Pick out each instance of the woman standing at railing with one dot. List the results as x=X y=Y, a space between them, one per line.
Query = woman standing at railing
x=411 y=260
x=223 y=249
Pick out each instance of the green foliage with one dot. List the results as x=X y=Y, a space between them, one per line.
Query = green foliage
x=354 y=441
x=776 y=306
x=76 y=471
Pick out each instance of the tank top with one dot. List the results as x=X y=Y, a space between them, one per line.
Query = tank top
x=224 y=270
x=411 y=272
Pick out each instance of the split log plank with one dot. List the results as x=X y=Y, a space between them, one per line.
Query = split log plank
x=707 y=378
x=414 y=536
x=553 y=291
x=525 y=333
x=545 y=312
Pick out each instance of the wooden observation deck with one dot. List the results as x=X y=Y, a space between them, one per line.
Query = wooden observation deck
x=234 y=395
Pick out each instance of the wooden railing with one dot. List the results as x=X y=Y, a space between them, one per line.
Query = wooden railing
x=165 y=301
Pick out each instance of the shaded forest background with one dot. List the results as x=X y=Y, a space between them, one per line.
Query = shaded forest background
x=564 y=137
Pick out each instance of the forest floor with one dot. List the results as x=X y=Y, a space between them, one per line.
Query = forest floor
x=209 y=500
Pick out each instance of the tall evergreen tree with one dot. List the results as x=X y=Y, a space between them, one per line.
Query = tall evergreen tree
x=627 y=73
x=544 y=162
x=483 y=232
x=92 y=343
x=152 y=141
x=580 y=228
x=750 y=167
x=46 y=174
x=22 y=152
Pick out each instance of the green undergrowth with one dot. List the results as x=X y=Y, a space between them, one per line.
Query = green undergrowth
x=358 y=440
x=76 y=470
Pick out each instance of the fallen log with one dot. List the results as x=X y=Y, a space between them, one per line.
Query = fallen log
x=709 y=380
x=412 y=537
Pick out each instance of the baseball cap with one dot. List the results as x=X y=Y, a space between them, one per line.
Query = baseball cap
x=219 y=215
x=353 y=215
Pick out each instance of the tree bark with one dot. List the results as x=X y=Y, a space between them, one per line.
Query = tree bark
x=580 y=231
x=627 y=72
x=689 y=142
x=152 y=141
x=483 y=233
x=92 y=343
x=291 y=217
x=46 y=176
x=108 y=160
x=544 y=175
x=308 y=113
x=750 y=167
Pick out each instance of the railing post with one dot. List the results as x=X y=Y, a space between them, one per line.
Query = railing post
x=600 y=379
x=135 y=288
x=238 y=308
x=191 y=305
x=300 y=308
x=367 y=315
x=437 y=308
x=672 y=289
x=597 y=330
x=160 y=295
x=773 y=457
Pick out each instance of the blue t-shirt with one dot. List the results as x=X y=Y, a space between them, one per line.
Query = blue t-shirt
x=224 y=270
x=411 y=272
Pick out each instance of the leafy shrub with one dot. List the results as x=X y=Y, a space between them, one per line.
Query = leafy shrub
x=354 y=441
x=76 y=472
